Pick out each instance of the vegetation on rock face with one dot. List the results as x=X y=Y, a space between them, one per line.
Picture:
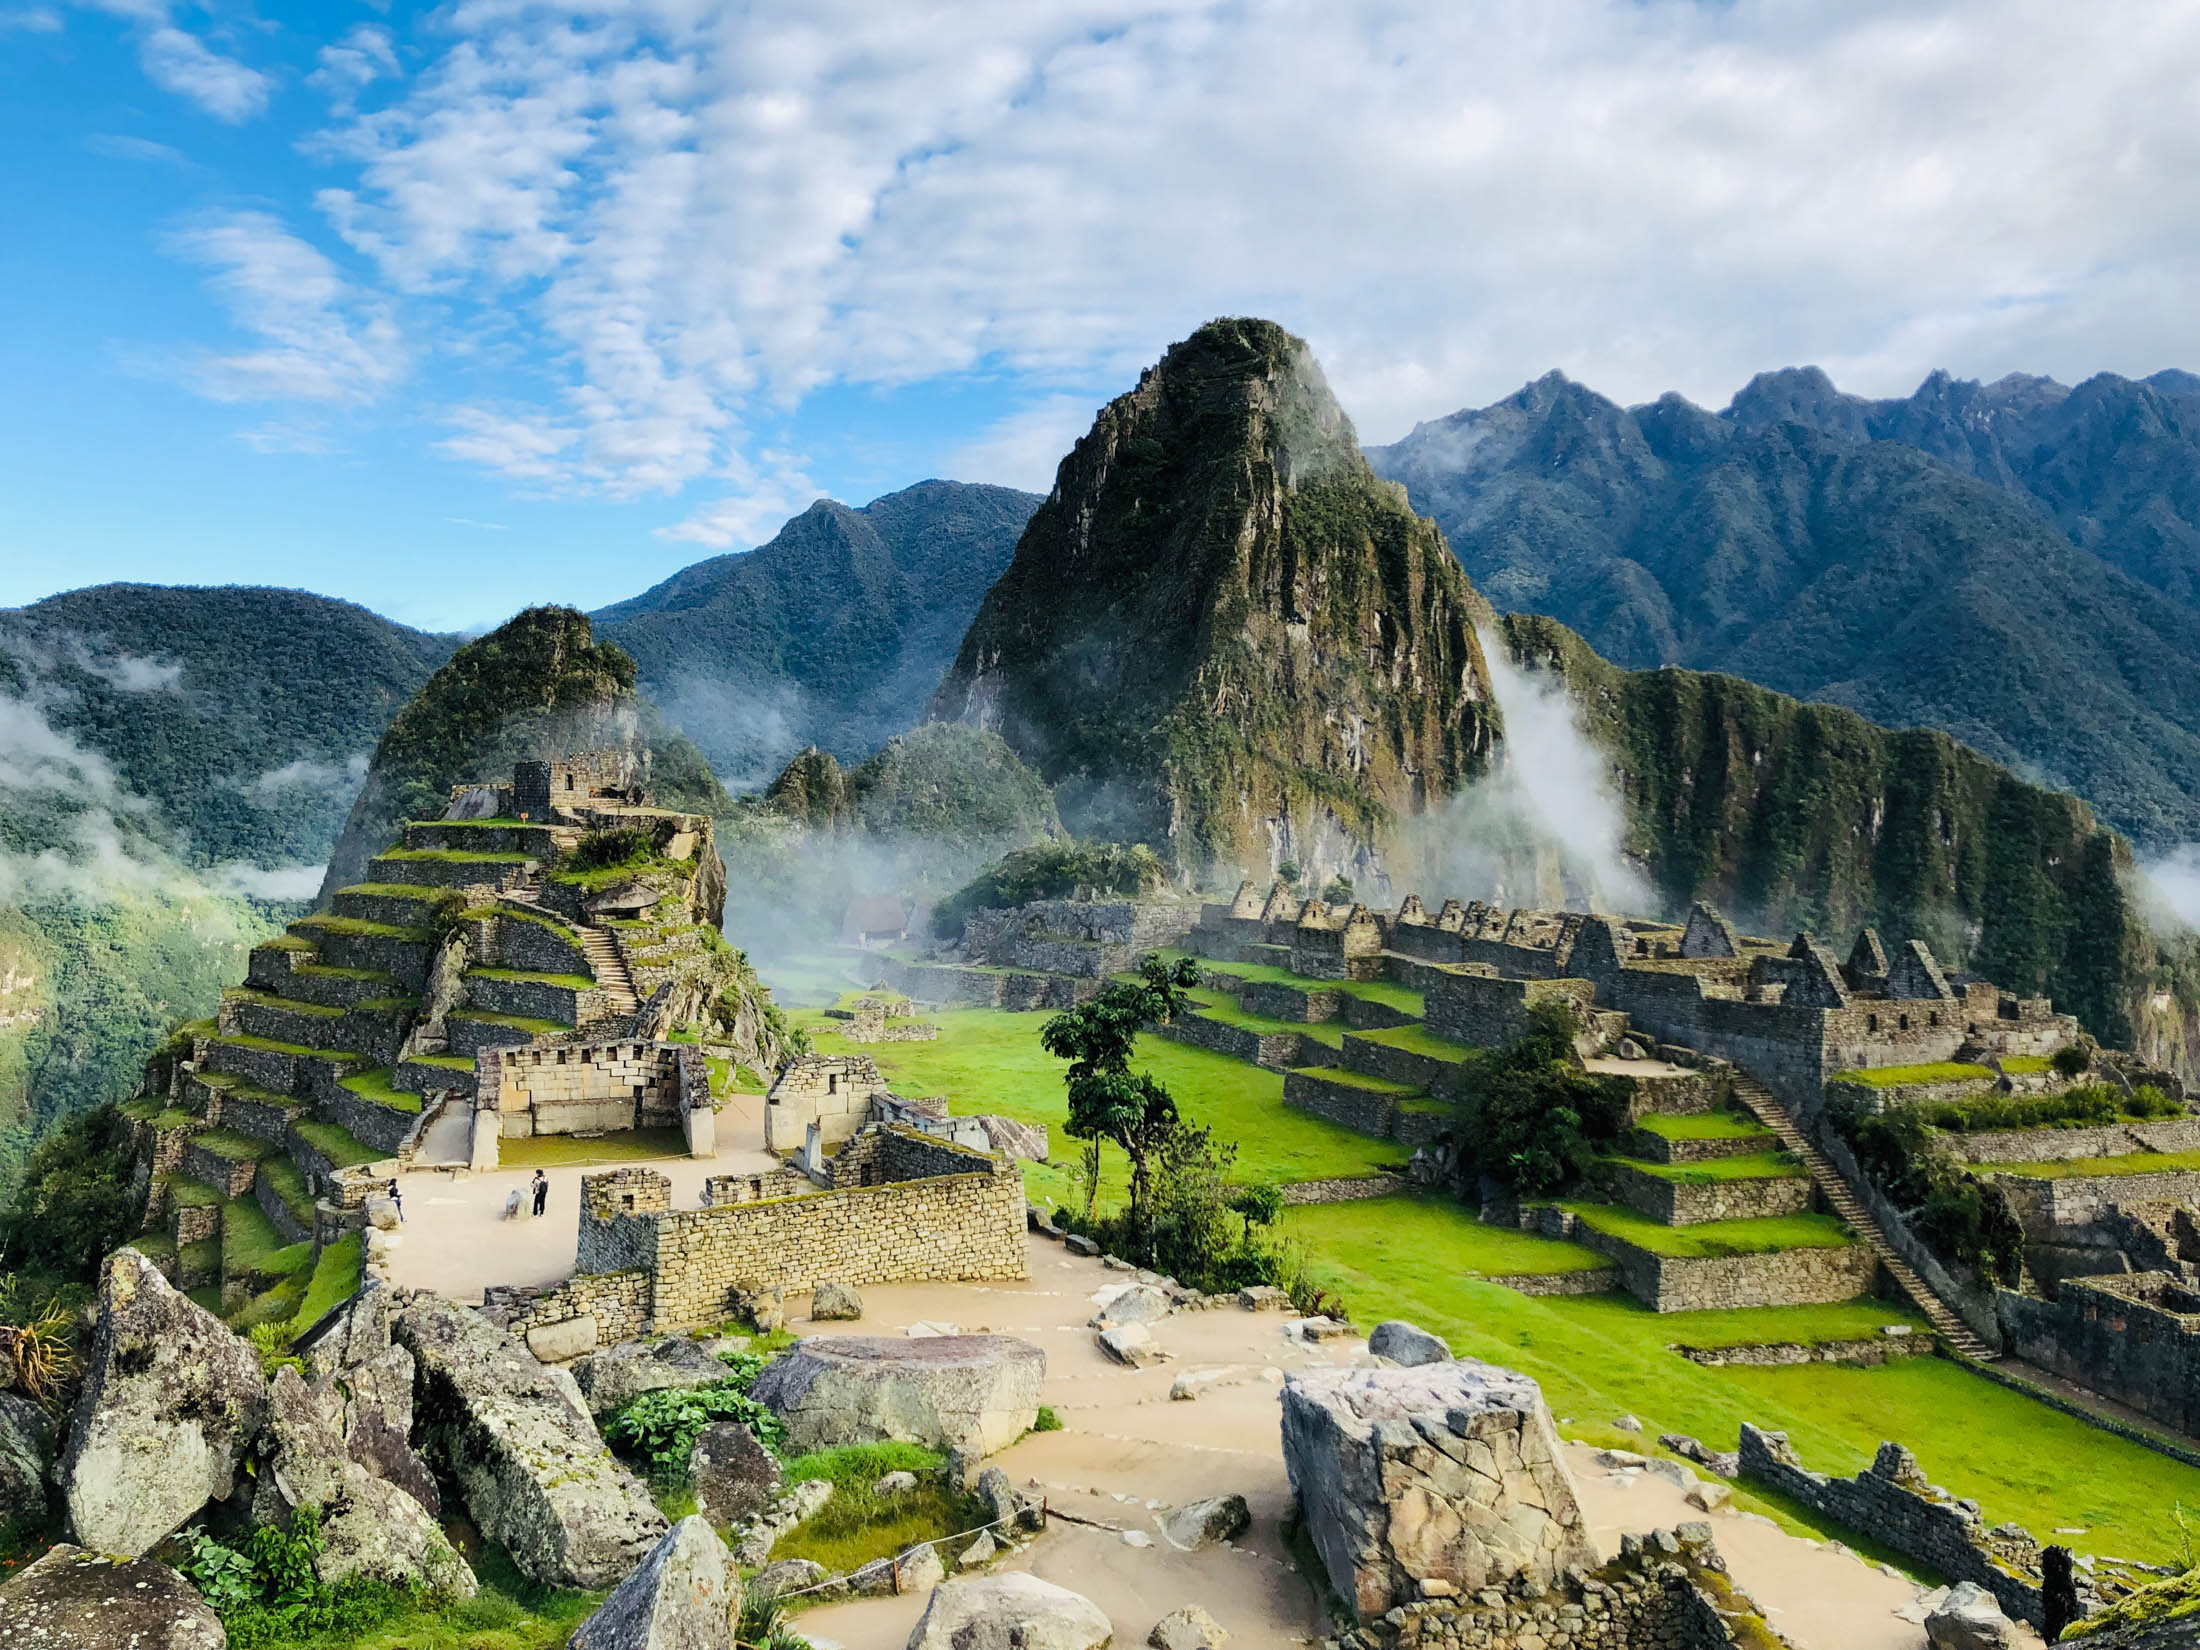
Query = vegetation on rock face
x=539 y=686
x=73 y=1203
x=1052 y=870
x=1835 y=549
x=1960 y=1217
x=1795 y=815
x=834 y=633
x=1221 y=632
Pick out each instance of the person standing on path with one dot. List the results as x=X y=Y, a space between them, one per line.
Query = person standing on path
x=397 y=1198
x=542 y=1193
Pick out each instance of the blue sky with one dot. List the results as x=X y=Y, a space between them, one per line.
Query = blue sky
x=451 y=309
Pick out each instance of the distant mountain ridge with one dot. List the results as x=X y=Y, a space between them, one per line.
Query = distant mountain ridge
x=1796 y=542
x=835 y=633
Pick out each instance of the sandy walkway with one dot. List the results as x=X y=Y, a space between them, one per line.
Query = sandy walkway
x=1126 y=1447
x=455 y=1239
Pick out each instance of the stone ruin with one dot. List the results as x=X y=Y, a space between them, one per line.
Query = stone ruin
x=1444 y=1515
x=877 y=1019
x=822 y=1101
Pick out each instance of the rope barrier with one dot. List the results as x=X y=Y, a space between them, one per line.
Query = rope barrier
x=1045 y=1512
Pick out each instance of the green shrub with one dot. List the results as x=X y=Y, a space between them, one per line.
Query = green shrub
x=661 y=1426
x=73 y=1206
x=1529 y=1117
x=2086 y=1106
x=1046 y=1420
x=603 y=850
x=2070 y=1062
x=1959 y=1216
x=267 y=1593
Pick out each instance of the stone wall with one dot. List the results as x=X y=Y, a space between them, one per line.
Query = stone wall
x=1277 y=1051
x=834 y=1091
x=1343 y=1189
x=905 y=1208
x=2056 y=1145
x=1366 y=1111
x=949 y=985
x=1657 y=1148
x=1670 y=1592
x=2133 y=1338
x=2051 y=1209
x=1692 y=1283
x=1484 y=1011
x=1691 y=1203
x=1892 y=1503
x=615 y=1305
x=1398 y=1065
x=1085 y=939
x=1272 y=1000
x=531 y=943
x=587 y=1088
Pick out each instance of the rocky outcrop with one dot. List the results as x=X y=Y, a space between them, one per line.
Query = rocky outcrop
x=378 y=1423
x=369 y=1526
x=1011 y=1611
x=171 y=1401
x=619 y=1374
x=1222 y=632
x=524 y=1451
x=735 y=1477
x=1970 y=1618
x=1203 y=1523
x=1408 y=1344
x=1447 y=1474
x=683 y=1596
x=975 y=1393
x=1190 y=1628
x=77 y=1600
x=26 y=1451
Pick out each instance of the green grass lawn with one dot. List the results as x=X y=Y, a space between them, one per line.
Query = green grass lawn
x=572 y=982
x=1707 y=1125
x=1432 y=1234
x=289 y=1182
x=449 y=1062
x=184 y=1193
x=1328 y=1032
x=551 y=1151
x=252 y=1247
x=1714 y=1237
x=1754 y=1166
x=1356 y=1080
x=336 y=1276
x=1418 y=1040
x=1373 y=991
x=2085 y=1167
x=985 y=1061
x=533 y=1025
x=1600 y=1356
x=1890 y=1077
x=374 y=1088
x=340 y=1146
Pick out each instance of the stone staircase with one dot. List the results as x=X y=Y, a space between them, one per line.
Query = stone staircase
x=610 y=970
x=1761 y=1103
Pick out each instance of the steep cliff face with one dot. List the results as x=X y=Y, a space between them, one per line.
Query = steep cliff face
x=1793 y=815
x=539 y=686
x=1222 y=634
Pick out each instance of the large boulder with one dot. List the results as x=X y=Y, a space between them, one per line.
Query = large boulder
x=977 y=1393
x=1203 y=1523
x=351 y=1333
x=1408 y=1344
x=1447 y=1473
x=835 y=1303
x=76 y=1600
x=378 y=1421
x=1970 y=1618
x=683 y=1596
x=619 y=1374
x=1009 y=1611
x=26 y=1451
x=1190 y=1628
x=735 y=1477
x=524 y=1451
x=171 y=1401
x=369 y=1527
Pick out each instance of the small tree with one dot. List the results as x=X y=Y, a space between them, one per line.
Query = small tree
x=1338 y=892
x=1106 y=1100
x=1288 y=873
x=1529 y=1116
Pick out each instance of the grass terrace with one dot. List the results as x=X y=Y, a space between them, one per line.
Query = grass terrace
x=456 y=856
x=231 y=1146
x=1416 y=1232
x=2087 y=1168
x=289 y=1183
x=1418 y=1040
x=519 y=976
x=512 y=1022
x=186 y=1193
x=369 y=930
x=1225 y=1012
x=340 y=1146
x=398 y=890
x=449 y=1062
x=1357 y=1080
x=1709 y=1125
x=374 y=1088
x=251 y=1247
x=268 y=1045
x=1755 y=1166
x=155 y=1109
x=1940 y=1071
x=1373 y=991
x=1713 y=1237
x=248 y=994
x=336 y=1277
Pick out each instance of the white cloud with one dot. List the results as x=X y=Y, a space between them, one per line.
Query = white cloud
x=133 y=673
x=695 y=215
x=182 y=63
x=317 y=337
x=365 y=55
x=118 y=147
x=307 y=774
x=288 y=882
x=748 y=517
x=31 y=20
x=1023 y=449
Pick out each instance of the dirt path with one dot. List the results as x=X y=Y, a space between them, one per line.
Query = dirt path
x=1127 y=1449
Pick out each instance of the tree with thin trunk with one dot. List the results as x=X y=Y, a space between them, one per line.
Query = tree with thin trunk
x=1107 y=1101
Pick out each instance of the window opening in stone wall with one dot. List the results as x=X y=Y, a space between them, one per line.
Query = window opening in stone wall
x=1905 y=1022
x=1871 y=1022
x=832 y=1082
x=627 y=1198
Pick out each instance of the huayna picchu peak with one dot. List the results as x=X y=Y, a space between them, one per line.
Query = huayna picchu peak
x=1223 y=634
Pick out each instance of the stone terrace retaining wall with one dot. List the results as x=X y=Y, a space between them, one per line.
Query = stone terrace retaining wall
x=1272 y=1000
x=1892 y=1503
x=1642 y=1603
x=1783 y=1277
x=1366 y=1111
x=1867 y=1354
x=1343 y=1189
x=2057 y=1145
x=618 y=1302
x=2130 y=1338
x=1278 y=1051
x=1398 y=1065
x=1484 y=1012
x=1656 y=1148
x=1684 y=1203
x=2044 y=1206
